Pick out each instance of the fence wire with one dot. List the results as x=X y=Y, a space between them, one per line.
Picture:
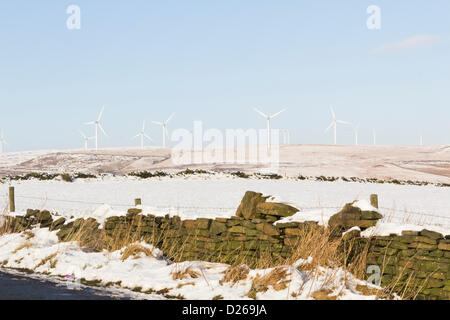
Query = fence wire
x=395 y=211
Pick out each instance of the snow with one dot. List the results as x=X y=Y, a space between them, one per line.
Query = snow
x=350 y=230
x=387 y=228
x=423 y=163
x=211 y=196
x=364 y=205
x=43 y=254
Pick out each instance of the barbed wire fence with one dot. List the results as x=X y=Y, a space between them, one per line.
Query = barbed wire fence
x=390 y=214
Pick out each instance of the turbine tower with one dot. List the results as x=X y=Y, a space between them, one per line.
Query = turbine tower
x=143 y=135
x=97 y=126
x=334 y=124
x=86 y=139
x=356 y=129
x=421 y=140
x=374 y=137
x=165 y=132
x=2 y=141
x=286 y=136
x=268 y=118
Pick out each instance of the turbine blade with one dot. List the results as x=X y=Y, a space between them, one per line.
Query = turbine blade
x=332 y=112
x=342 y=122
x=150 y=139
x=143 y=126
x=329 y=127
x=101 y=114
x=170 y=118
x=158 y=123
x=277 y=114
x=136 y=136
x=83 y=135
x=89 y=123
x=261 y=113
x=101 y=128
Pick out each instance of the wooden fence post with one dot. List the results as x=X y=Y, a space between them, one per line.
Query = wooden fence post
x=374 y=200
x=12 y=203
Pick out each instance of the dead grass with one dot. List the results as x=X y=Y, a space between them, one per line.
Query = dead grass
x=184 y=274
x=234 y=274
x=134 y=250
x=323 y=294
x=275 y=279
x=47 y=259
x=28 y=235
x=365 y=290
x=181 y=285
x=25 y=245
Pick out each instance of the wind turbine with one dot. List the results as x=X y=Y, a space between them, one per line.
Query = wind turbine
x=165 y=132
x=2 y=141
x=143 y=135
x=356 y=129
x=97 y=126
x=286 y=136
x=86 y=139
x=374 y=137
x=268 y=118
x=421 y=140
x=334 y=124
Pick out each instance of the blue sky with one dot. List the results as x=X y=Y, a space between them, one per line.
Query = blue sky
x=216 y=60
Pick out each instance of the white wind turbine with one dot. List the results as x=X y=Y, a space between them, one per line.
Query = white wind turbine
x=286 y=136
x=334 y=124
x=356 y=129
x=86 y=139
x=268 y=118
x=165 y=132
x=2 y=141
x=421 y=140
x=97 y=126
x=374 y=137
x=143 y=135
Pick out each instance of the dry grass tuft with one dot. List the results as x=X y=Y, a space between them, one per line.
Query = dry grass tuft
x=134 y=250
x=28 y=235
x=25 y=245
x=235 y=274
x=275 y=278
x=184 y=274
x=365 y=290
x=181 y=285
x=324 y=294
x=47 y=259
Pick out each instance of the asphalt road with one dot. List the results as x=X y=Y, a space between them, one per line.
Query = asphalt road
x=18 y=287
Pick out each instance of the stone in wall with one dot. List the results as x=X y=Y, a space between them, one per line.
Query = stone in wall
x=351 y=216
x=254 y=205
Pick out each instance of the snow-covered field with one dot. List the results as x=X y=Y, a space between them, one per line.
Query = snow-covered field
x=219 y=195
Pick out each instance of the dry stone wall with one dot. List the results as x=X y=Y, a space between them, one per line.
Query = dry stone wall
x=415 y=263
